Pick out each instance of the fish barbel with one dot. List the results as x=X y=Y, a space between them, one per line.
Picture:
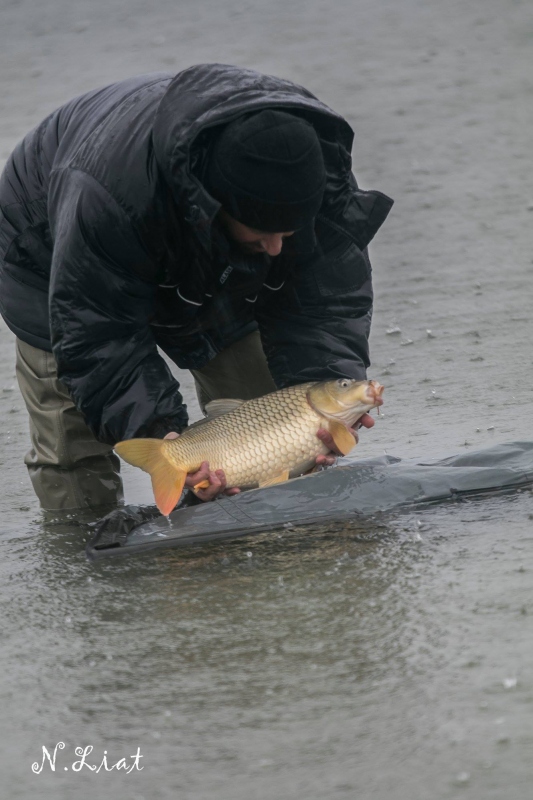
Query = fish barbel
x=258 y=442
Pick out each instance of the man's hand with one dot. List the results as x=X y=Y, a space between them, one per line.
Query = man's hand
x=325 y=436
x=216 y=478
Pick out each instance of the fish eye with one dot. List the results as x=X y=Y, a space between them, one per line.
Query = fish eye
x=344 y=383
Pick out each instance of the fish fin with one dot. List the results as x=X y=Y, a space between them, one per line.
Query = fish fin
x=343 y=438
x=216 y=408
x=143 y=453
x=316 y=468
x=167 y=483
x=167 y=479
x=197 y=423
x=284 y=476
x=202 y=485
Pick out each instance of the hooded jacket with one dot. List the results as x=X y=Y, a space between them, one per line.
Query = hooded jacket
x=110 y=247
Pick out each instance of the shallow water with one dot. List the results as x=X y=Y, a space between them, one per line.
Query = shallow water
x=390 y=659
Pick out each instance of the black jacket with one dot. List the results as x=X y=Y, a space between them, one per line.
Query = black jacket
x=109 y=247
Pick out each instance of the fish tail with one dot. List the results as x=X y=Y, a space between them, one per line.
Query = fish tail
x=168 y=480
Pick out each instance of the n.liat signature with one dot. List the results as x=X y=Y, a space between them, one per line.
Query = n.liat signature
x=81 y=762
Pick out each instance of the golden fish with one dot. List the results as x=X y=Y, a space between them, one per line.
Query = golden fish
x=258 y=442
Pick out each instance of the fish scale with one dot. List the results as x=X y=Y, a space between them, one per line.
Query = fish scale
x=255 y=442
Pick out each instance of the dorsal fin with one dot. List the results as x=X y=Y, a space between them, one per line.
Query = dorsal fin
x=216 y=408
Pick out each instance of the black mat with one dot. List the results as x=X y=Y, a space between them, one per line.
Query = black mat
x=355 y=488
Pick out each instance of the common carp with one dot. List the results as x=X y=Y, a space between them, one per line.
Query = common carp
x=257 y=442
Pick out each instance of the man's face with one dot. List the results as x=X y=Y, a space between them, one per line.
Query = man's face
x=250 y=240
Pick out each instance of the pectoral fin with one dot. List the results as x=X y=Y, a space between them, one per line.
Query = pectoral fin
x=343 y=438
x=202 y=485
x=284 y=476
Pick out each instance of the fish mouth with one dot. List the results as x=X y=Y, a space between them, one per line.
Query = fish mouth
x=374 y=392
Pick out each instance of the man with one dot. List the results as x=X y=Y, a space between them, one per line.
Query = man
x=212 y=214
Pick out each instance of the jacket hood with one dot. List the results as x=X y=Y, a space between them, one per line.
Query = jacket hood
x=209 y=95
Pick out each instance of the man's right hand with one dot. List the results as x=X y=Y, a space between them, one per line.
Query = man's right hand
x=217 y=479
x=325 y=436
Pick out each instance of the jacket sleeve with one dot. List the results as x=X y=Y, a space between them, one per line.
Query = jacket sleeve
x=316 y=326
x=100 y=311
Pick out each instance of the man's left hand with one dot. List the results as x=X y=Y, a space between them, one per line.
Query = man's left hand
x=325 y=436
x=217 y=479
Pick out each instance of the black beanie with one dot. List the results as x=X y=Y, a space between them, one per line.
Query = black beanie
x=267 y=171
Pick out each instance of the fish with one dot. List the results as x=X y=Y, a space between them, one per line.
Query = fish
x=258 y=442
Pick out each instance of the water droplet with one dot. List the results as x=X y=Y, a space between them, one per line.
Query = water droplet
x=249 y=553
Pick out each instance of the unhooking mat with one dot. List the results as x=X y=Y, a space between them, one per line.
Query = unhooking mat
x=354 y=488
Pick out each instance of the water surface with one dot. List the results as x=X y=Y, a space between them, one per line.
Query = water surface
x=373 y=661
